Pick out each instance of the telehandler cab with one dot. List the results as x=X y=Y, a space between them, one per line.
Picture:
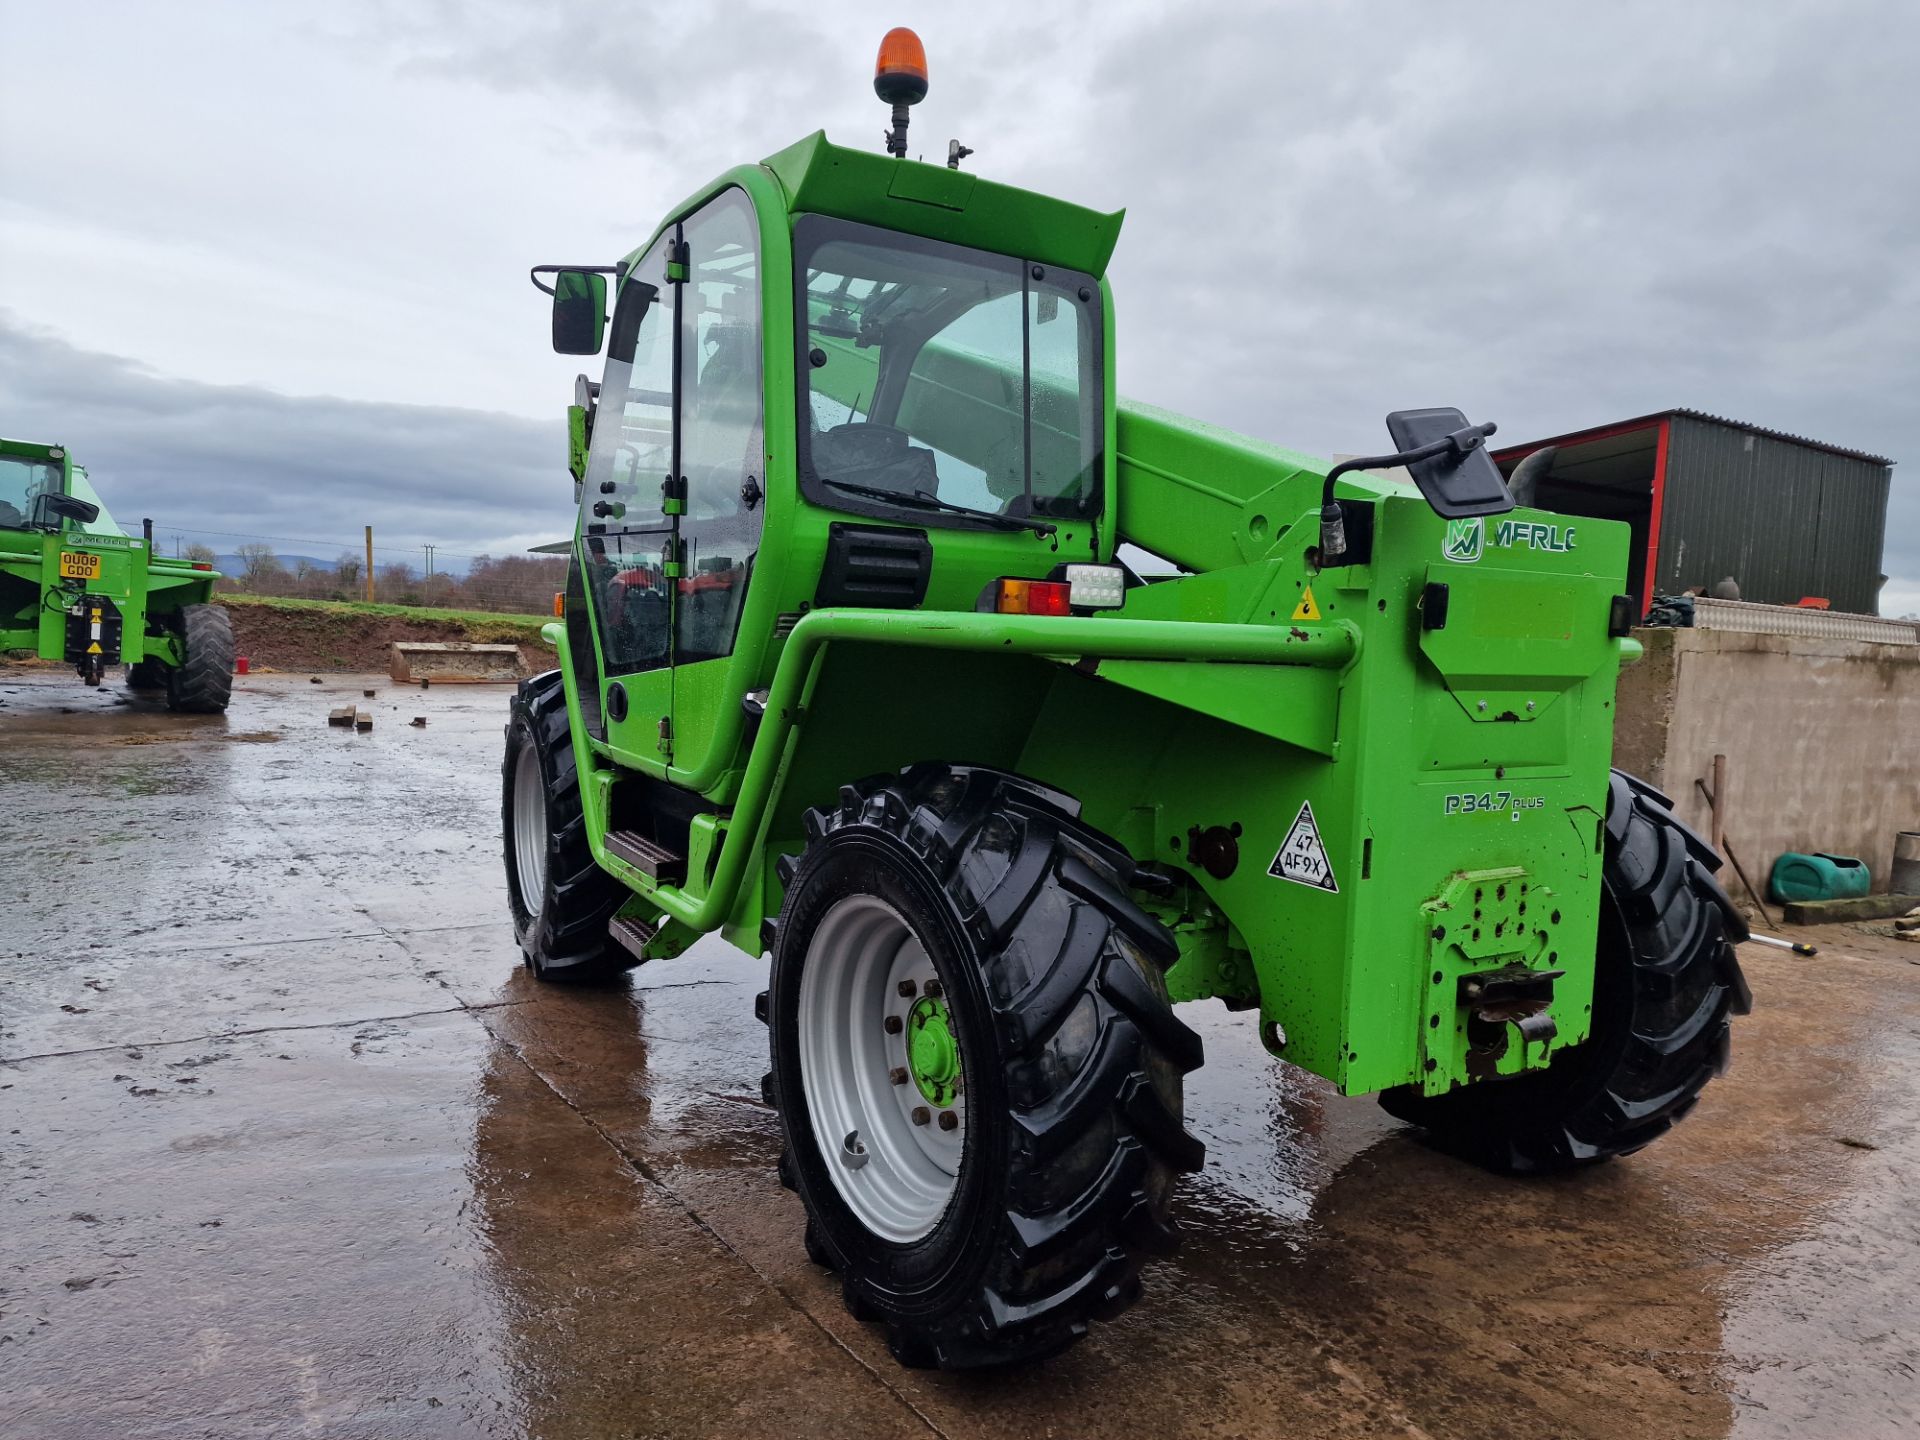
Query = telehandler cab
x=852 y=673
x=74 y=587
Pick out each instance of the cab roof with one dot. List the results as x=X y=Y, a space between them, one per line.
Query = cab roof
x=957 y=206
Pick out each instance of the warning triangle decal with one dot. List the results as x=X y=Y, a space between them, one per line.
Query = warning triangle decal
x=1306 y=609
x=1302 y=858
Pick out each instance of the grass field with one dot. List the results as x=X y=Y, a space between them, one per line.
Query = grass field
x=481 y=626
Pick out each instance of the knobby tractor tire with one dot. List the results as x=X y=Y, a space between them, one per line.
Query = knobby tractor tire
x=202 y=683
x=562 y=903
x=1070 y=1064
x=1665 y=984
x=147 y=675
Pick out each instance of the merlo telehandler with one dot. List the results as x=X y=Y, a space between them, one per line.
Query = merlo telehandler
x=75 y=587
x=854 y=671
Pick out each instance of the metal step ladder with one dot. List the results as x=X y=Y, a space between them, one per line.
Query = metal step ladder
x=656 y=862
x=631 y=935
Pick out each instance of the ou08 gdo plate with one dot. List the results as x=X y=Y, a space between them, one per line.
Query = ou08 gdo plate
x=75 y=566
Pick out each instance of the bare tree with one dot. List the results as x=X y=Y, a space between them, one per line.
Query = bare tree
x=346 y=570
x=394 y=584
x=201 y=554
x=259 y=566
x=523 y=584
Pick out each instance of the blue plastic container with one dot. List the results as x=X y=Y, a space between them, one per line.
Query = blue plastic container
x=1819 y=877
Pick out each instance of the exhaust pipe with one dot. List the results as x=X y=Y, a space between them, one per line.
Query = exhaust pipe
x=1528 y=474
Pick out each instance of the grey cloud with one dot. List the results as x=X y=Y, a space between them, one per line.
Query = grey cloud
x=1551 y=216
x=689 y=79
x=235 y=460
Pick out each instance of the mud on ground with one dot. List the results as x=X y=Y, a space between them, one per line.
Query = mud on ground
x=290 y=1145
x=342 y=640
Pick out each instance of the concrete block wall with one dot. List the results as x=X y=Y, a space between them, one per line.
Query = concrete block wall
x=1822 y=739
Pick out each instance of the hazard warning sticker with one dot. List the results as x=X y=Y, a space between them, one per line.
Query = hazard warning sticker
x=1303 y=858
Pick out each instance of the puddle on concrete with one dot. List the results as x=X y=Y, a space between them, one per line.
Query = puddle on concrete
x=554 y=1213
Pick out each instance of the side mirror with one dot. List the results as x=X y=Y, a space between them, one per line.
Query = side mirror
x=1452 y=469
x=49 y=508
x=1446 y=457
x=579 y=312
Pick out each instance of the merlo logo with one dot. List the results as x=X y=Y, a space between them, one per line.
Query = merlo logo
x=1464 y=539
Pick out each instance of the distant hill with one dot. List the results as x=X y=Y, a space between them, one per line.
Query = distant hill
x=234 y=565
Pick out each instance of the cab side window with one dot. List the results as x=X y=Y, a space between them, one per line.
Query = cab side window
x=624 y=526
x=722 y=434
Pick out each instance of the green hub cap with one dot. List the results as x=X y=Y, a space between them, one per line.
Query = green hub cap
x=933 y=1055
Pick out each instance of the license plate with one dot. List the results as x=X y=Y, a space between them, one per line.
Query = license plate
x=75 y=566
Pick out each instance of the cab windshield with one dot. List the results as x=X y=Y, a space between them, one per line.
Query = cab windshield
x=933 y=373
x=23 y=479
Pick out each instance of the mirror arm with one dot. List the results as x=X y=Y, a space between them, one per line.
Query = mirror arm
x=545 y=289
x=1333 y=529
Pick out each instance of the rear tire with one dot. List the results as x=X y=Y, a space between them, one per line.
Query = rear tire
x=1040 y=1205
x=146 y=675
x=202 y=683
x=560 y=899
x=1666 y=983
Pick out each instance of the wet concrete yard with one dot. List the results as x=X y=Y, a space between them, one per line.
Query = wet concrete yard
x=289 y=1145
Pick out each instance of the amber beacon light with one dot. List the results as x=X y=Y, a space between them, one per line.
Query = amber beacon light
x=900 y=80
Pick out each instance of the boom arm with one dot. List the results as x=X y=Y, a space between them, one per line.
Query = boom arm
x=1203 y=497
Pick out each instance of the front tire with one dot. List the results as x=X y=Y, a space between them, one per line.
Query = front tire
x=202 y=683
x=994 y=1238
x=1665 y=985
x=560 y=899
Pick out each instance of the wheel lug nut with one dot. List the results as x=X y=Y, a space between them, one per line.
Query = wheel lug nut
x=898 y=1075
x=949 y=1120
x=921 y=1115
x=933 y=988
x=893 y=1025
x=906 y=989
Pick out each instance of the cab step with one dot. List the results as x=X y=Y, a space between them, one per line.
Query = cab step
x=656 y=862
x=631 y=935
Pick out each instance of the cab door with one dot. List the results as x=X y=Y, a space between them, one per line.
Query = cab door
x=628 y=535
x=722 y=441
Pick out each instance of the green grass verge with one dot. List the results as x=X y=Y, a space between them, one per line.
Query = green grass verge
x=481 y=626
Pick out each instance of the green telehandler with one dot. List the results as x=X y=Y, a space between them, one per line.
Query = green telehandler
x=854 y=671
x=74 y=587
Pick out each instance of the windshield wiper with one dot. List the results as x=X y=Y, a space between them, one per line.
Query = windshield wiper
x=921 y=500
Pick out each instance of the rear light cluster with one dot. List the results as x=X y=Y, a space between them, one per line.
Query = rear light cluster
x=203 y=565
x=1033 y=597
x=1084 y=587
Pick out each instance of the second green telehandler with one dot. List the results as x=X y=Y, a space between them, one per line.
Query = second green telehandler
x=74 y=587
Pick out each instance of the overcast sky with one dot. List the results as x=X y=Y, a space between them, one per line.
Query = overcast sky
x=263 y=266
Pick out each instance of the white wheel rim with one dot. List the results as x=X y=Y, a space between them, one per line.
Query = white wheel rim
x=530 y=829
x=897 y=1177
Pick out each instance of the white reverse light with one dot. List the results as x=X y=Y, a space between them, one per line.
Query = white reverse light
x=1096 y=587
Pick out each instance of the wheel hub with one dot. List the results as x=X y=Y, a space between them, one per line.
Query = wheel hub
x=880 y=1067
x=933 y=1055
